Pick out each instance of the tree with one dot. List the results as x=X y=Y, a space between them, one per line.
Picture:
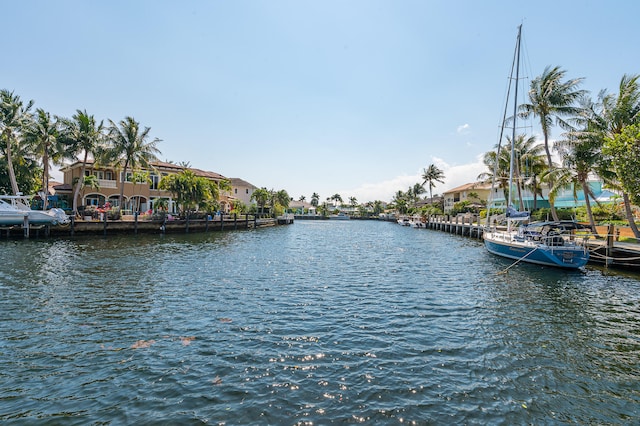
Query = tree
x=130 y=147
x=302 y=198
x=82 y=134
x=353 y=201
x=42 y=138
x=14 y=116
x=190 y=190
x=315 y=198
x=282 y=198
x=608 y=118
x=261 y=197
x=552 y=98
x=431 y=175
x=624 y=150
x=337 y=198
x=528 y=162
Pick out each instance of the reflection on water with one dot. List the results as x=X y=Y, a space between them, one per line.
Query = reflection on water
x=319 y=322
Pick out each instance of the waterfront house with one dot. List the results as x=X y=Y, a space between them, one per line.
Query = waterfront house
x=564 y=199
x=474 y=193
x=241 y=190
x=138 y=196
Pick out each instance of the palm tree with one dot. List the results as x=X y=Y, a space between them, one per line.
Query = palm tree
x=302 y=198
x=42 y=137
x=90 y=181
x=14 y=116
x=552 y=98
x=82 y=134
x=130 y=148
x=189 y=190
x=417 y=190
x=337 y=198
x=579 y=156
x=315 y=198
x=282 y=198
x=431 y=175
x=260 y=196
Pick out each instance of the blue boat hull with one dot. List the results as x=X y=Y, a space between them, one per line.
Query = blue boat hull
x=568 y=257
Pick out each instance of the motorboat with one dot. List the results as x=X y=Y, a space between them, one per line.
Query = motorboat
x=15 y=209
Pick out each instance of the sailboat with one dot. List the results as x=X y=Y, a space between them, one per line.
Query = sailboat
x=542 y=243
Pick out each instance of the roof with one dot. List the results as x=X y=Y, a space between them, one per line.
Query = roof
x=240 y=182
x=160 y=165
x=469 y=186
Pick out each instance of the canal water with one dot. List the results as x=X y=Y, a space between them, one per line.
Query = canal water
x=319 y=322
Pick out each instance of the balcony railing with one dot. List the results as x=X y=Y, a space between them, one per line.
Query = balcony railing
x=104 y=183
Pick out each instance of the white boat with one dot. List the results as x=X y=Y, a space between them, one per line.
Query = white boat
x=339 y=216
x=404 y=221
x=542 y=243
x=15 y=208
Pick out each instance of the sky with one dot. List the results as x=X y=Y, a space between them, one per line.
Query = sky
x=352 y=97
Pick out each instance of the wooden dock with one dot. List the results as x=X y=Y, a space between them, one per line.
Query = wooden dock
x=135 y=226
x=607 y=252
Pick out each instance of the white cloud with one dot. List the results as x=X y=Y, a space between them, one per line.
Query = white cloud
x=464 y=129
x=455 y=175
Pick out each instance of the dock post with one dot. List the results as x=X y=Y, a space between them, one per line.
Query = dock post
x=25 y=226
x=105 y=224
x=135 y=226
x=73 y=223
x=235 y=221
x=610 y=234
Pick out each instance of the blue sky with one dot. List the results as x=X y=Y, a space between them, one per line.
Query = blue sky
x=349 y=97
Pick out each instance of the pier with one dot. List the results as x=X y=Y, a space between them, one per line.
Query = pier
x=134 y=226
x=607 y=251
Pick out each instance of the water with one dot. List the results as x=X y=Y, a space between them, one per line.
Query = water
x=315 y=323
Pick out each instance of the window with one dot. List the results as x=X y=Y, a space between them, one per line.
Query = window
x=235 y=190
x=247 y=190
x=129 y=177
x=155 y=180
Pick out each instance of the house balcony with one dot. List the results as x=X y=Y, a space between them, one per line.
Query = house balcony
x=104 y=183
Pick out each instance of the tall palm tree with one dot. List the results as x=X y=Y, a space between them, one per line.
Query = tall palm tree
x=14 y=116
x=417 y=190
x=282 y=197
x=529 y=162
x=42 y=137
x=83 y=135
x=431 y=175
x=552 y=97
x=337 y=198
x=315 y=199
x=579 y=154
x=130 y=148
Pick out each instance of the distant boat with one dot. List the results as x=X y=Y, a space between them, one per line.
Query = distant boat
x=542 y=243
x=15 y=208
x=339 y=216
x=404 y=221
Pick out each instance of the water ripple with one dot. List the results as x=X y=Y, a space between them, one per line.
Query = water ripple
x=319 y=322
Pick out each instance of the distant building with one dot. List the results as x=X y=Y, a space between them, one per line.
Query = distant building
x=564 y=199
x=242 y=190
x=137 y=196
x=462 y=193
x=301 y=207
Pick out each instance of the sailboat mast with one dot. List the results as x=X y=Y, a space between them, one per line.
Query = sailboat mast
x=515 y=111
